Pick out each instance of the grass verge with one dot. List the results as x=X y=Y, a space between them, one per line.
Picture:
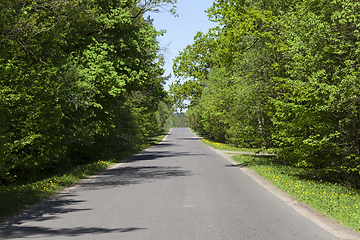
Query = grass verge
x=229 y=147
x=14 y=198
x=329 y=198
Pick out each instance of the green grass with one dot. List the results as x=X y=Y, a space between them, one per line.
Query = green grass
x=307 y=185
x=329 y=198
x=14 y=198
x=229 y=147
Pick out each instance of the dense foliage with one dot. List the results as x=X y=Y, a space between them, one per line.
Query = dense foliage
x=78 y=79
x=281 y=74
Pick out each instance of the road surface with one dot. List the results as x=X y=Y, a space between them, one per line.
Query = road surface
x=179 y=189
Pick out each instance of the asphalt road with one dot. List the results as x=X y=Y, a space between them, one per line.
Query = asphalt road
x=179 y=189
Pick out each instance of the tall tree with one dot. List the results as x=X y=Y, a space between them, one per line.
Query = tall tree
x=317 y=116
x=68 y=73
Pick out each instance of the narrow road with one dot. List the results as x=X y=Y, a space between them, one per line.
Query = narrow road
x=179 y=189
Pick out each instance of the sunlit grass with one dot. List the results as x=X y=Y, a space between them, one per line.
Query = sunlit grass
x=229 y=147
x=331 y=199
x=16 y=197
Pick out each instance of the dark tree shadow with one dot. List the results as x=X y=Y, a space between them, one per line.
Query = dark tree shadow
x=133 y=175
x=191 y=138
x=47 y=207
x=151 y=155
x=65 y=203
x=49 y=210
x=164 y=144
x=35 y=232
x=239 y=165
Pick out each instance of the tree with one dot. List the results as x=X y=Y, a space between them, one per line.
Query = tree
x=71 y=73
x=232 y=100
x=317 y=115
x=193 y=65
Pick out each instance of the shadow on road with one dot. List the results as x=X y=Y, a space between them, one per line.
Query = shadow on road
x=133 y=175
x=164 y=144
x=36 y=232
x=190 y=139
x=239 y=165
x=161 y=154
x=26 y=224
x=50 y=210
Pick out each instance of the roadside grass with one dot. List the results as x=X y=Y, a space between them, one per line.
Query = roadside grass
x=229 y=147
x=329 y=198
x=14 y=198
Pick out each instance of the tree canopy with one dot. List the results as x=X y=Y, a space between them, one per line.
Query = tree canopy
x=281 y=74
x=77 y=78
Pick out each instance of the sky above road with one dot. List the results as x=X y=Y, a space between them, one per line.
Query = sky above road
x=181 y=30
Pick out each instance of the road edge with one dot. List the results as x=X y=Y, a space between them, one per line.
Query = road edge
x=338 y=230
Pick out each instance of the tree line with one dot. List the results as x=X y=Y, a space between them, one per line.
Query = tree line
x=280 y=74
x=177 y=120
x=79 y=80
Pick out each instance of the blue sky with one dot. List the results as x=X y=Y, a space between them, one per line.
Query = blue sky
x=181 y=30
